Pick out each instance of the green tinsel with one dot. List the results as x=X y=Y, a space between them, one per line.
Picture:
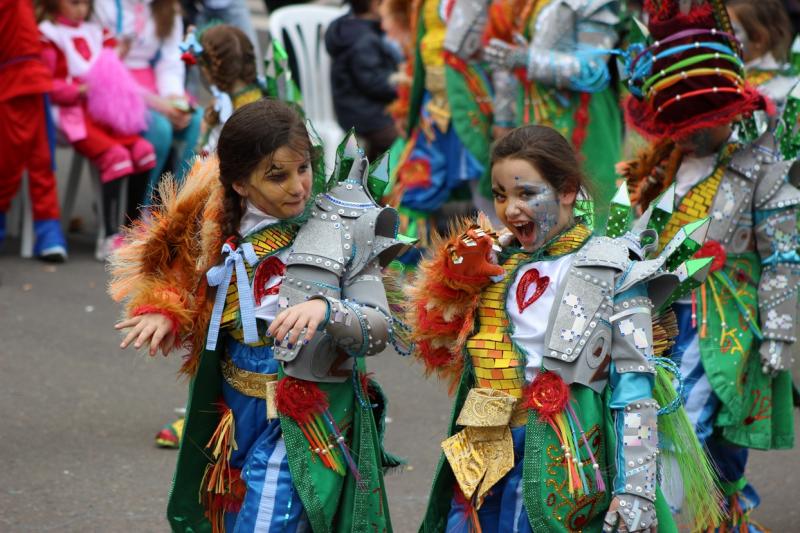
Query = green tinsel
x=701 y=495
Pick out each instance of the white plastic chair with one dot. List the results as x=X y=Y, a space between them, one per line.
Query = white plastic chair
x=304 y=27
x=71 y=193
x=20 y=219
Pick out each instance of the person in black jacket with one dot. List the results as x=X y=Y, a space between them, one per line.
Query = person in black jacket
x=362 y=63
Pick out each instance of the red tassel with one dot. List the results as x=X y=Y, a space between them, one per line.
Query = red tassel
x=300 y=400
x=188 y=58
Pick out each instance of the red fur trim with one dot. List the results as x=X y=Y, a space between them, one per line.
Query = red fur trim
x=434 y=358
x=300 y=400
x=432 y=322
x=642 y=117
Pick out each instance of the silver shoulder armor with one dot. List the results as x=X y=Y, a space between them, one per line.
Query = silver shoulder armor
x=774 y=189
x=337 y=255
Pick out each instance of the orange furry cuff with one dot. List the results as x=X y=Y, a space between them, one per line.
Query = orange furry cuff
x=167 y=303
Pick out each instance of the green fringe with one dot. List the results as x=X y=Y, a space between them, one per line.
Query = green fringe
x=702 y=499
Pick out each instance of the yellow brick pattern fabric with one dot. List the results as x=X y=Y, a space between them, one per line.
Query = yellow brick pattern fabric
x=694 y=206
x=497 y=365
x=265 y=242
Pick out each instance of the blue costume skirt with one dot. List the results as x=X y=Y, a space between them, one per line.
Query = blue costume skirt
x=271 y=503
x=451 y=165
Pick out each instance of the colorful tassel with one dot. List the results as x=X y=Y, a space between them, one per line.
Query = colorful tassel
x=548 y=395
x=222 y=488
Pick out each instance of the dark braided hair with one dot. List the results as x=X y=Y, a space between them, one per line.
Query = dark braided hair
x=253 y=133
x=228 y=57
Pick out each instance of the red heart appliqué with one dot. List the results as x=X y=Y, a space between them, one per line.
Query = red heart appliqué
x=271 y=266
x=529 y=278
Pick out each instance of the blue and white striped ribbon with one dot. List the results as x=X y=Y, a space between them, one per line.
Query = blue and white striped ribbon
x=220 y=277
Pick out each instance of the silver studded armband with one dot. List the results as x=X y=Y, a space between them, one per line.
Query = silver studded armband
x=637 y=468
x=357 y=329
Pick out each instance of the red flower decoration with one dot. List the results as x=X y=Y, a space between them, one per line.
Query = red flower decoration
x=717 y=251
x=300 y=400
x=547 y=395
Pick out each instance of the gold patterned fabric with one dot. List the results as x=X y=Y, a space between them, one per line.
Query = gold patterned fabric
x=252 y=384
x=483 y=452
x=694 y=206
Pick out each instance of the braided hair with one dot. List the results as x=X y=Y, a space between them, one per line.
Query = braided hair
x=254 y=132
x=228 y=56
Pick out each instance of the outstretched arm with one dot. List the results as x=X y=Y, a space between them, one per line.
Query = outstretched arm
x=777 y=216
x=572 y=55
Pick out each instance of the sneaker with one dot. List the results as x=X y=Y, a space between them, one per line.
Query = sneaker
x=170 y=435
x=107 y=246
x=50 y=244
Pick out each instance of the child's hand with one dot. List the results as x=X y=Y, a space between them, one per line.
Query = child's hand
x=301 y=318
x=179 y=119
x=123 y=47
x=150 y=328
x=82 y=89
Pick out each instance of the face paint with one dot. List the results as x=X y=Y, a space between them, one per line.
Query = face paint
x=543 y=209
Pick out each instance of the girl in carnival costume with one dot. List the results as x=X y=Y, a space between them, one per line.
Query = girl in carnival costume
x=227 y=62
x=550 y=344
x=97 y=106
x=738 y=330
x=550 y=67
x=282 y=421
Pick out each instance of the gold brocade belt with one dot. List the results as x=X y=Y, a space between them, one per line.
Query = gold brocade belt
x=252 y=384
x=483 y=452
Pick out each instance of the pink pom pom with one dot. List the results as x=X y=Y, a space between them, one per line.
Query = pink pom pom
x=113 y=97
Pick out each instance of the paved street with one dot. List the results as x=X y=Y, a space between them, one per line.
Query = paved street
x=78 y=415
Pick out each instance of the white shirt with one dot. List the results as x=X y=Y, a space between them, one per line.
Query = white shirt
x=253 y=220
x=530 y=325
x=692 y=171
